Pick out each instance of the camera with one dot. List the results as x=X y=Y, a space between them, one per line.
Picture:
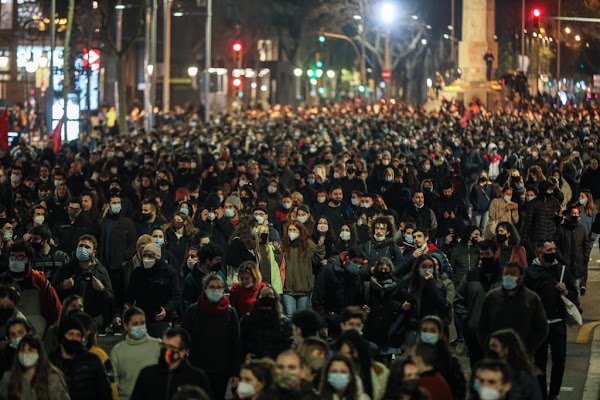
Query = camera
x=87 y=275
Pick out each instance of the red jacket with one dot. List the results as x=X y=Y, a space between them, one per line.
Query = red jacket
x=436 y=386
x=49 y=302
x=243 y=299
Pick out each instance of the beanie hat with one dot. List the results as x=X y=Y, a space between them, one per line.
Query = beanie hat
x=153 y=248
x=234 y=201
x=67 y=324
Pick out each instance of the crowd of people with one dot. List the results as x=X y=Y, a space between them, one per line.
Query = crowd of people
x=327 y=253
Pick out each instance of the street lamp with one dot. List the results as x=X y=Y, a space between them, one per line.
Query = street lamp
x=192 y=71
x=577 y=38
x=31 y=66
x=297 y=72
x=388 y=12
x=331 y=74
x=567 y=30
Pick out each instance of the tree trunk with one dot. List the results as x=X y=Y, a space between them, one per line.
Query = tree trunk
x=122 y=100
x=66 y=57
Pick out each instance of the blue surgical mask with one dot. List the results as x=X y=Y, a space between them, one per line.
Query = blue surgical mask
x=159 y=241
x=353 y=268
x=302 y=219
x=16 y=266
x=82 y=253
x=310 y=181
x=509 y=282
x=409 y=239
x=115 y=208
x=185 y=211
x=339 y=381
x=229 y=212
x=583 y=202
x=214 y=296
x=15 y=343
x=431 y=338
x=8 y=236
x=138 y=332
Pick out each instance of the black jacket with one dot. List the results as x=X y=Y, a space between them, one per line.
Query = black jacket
x=96 y=302
x=216 y=345
x=153 y=288
x=117 y=245
x=541 y=219
x=156 y=382
x=374 y=250
x=424 y=218
x=68 y=234
x=264 y=334
x=306 y=392
x=543 y=280
x=85 y=376
x=336 y=289
x=475 y=284
x=575 y=247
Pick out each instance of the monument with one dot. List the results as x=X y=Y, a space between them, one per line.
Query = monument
x=478 y=30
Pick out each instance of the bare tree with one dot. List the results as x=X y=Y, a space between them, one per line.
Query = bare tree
x=67 y=54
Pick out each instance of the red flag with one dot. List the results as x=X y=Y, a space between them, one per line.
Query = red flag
x=57 y=134
x=4 y=129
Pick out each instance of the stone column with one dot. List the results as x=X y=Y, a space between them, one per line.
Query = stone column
x=478 y=29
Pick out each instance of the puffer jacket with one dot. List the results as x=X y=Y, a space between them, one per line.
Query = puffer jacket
x=463 y=258
x=575 y=247
x=541 y=219
x=85 y=376
x=265 y=334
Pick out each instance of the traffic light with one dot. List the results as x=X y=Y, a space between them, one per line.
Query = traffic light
x=322 y=36
x=237 y=53
x=237 y=87
x=537 y=13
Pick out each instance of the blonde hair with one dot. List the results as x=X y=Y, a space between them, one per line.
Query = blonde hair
x=250 y=267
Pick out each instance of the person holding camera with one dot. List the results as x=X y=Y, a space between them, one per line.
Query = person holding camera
x=86 y=277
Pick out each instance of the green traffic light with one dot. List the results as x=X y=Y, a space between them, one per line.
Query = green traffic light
x=319 y=64
x=321 y=90
x=322 y=39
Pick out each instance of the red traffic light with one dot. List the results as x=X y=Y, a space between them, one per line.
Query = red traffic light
x=237 y=47
x=237 y=82
x=537 y=13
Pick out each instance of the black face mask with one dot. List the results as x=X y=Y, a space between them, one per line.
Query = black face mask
x=263 y=237
x=267 y=302
x=382 y=276
x=72 y=347
x=6 y=313
x=410 y=386
x=488 y=263
x=216 y=267
x=549 y=257
x=501 y=238
x=37 y=246
x=336 y=202
x=167 y=357
x=146 y=217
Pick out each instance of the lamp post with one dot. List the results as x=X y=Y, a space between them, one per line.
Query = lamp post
x=298 y=73
x=50 y=91
x=193 y=72
x=387 y=15
x=207 y=58
x=167 y=55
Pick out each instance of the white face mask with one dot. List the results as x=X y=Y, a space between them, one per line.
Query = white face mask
x=293 y=235
x=212 y=216
x=191 y=263
x=345 y=236
x=28 y=360
x=245 y=390
x=507 y=198
x=148 y=262
x=39 y=219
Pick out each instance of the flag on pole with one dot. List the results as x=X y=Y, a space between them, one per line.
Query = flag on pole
x=57 y=134
x=4 y=129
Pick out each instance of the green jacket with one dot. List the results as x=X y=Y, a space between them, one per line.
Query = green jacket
x=300 y=268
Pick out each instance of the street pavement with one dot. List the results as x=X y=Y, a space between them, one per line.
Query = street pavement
x=582 y=375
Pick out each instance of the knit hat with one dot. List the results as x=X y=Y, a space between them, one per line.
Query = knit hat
x=234 y=201
x=153 y=248
x=67 y=324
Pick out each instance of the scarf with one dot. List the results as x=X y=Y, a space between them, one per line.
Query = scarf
x=212 y=309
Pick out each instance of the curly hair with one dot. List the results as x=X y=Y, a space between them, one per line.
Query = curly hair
x=302 y=239
x=388 y=222
x=243 y=231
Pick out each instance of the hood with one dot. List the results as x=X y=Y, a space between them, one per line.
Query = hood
x=432 y=247
x=538 y=263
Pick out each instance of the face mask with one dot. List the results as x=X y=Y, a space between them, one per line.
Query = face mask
x=345 y=236
x=249 y=285
x=321 y=200
x=365 y=205
x=310 y=181
x=426 y=168
x=353 y=268
x=509 y=282
x=72 y=346
x=529 y=198
x=487 y=263
x=385 y=162
x=315 y=363
x=287 y=206
x=267 y=302
x=185 y=211
x=379 y=238
x=583 y=202
x=520 y=187
x=354 y=202
x=16 y=266
x=243 y=183
x=507 y=198
x=410 y=386
x=39 y=219
x=431 y=338
x=14 y=178
x=37 y=246
x=73 y=213
x=359 y=222
x=212 y=216
x=549 y=257
x=322 y=228
x=229 y=213
x=8 y=236
x=6 y=313
x=148 y=262
x=425 y=271
x=293 y=235
x=167 y=357
x=389 y=179
x=263 y=238
x=488 y=393
x=245 y=390
x=260 y=219
x=14 y=343
x=272 y=189
x=138 y=332
x=191 y=263
x=177 y=224
x=82 y=253
x=534 y=154
x=214 y=296
x=336 y=175
x=419 y=206
x=302 y=219
x=115 y=208
x=339 y=381
x=409 y=239
x=28 y=360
